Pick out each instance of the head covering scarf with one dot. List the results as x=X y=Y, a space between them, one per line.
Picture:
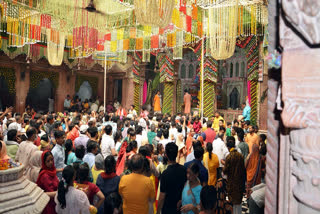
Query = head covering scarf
x=99 y=162
x=3 y=152
x=44 y=169
x=32 y=170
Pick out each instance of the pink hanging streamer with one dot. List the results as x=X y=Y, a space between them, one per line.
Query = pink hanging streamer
x=145 y=92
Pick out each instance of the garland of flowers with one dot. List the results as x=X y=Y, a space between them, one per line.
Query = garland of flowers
x=166 y=65
x=179 y=97
x=9 y=75
x=254 y=101
x=37 y=76
x=168 y=97
x=209 y=98
x=93 y=81
x=136 y=97
x=137 y=58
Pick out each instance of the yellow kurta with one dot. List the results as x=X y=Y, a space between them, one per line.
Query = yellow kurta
x=211 y=165
x=215 y=124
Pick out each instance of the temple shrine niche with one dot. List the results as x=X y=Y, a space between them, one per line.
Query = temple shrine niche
x=233 y=79
x=189 y=77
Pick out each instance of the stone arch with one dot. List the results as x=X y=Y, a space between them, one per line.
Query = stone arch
x=38 y=97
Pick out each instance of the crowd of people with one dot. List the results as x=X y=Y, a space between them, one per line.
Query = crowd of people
x=88 y=160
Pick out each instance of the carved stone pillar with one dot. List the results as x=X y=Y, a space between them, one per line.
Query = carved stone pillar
x=301 y=98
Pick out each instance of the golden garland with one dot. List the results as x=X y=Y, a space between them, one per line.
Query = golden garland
x=222 y=29
x=154 y=12
x=55 y=51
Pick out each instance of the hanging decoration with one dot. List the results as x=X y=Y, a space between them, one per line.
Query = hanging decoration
x=208 y=99
x=55 y=47
x=166 y=65
x=222 y=29
x=253 y=101
x=154 y=12
x=168 y=96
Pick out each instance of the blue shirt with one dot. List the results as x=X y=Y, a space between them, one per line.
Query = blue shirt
x=203 y=174
x=58 y=156
x=246 y=113
x=89 y=158
x=71 y=158
x=193 y=198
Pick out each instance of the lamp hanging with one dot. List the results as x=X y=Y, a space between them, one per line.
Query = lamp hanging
x=154 y=12
x=222 y=29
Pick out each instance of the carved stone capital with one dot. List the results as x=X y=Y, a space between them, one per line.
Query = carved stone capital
x=305 y=150
x=304 y=16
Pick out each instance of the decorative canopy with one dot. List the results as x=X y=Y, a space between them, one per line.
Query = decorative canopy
x=116 y=27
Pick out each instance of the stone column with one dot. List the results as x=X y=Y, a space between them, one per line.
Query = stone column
x=271 y=192
x=299 y=29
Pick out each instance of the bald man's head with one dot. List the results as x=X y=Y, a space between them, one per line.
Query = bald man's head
x=137 y=163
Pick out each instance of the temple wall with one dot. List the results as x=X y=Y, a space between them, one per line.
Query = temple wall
x=66 y=80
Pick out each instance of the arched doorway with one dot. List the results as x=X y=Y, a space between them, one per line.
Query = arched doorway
x=6 y=98
x=38 y=98
x=85 y=91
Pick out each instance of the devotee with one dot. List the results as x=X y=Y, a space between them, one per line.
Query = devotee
x=109 y=107
x=136 y=189
x=211 y=162
x=257 y=199
x=187 y=102
x=3 y=152
x=254 y=166
x=182 y=152
x=243 y=146
x=98 y=167
x=116 y=104
x=216 y=121
x=27 y=148
x=67 y=103
x=92 y=150
x=132 y=112
x=139 y=135
x=208 y=200
x=171 y=183
x=94 y=106
x=113 y=204
x=197 y=125
x=165 y=140
x=209 y=133
x=234 y=169
x=83 y=137
x=151 y=134
x=219 y=148
x=107 y=143
x=157 y=103
x=121 y=112
x=33 y=169
x=87 y=187
x=195 y=144
x=93 y=133
x=246 y=111
x=252 y=138
x=203 y=173
x=12 y=144
x=58 y=153
x=191 y=192
x=48 y=180
x=108 y=181
x=228 y=129
x=69 y=199
x=70 y=156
